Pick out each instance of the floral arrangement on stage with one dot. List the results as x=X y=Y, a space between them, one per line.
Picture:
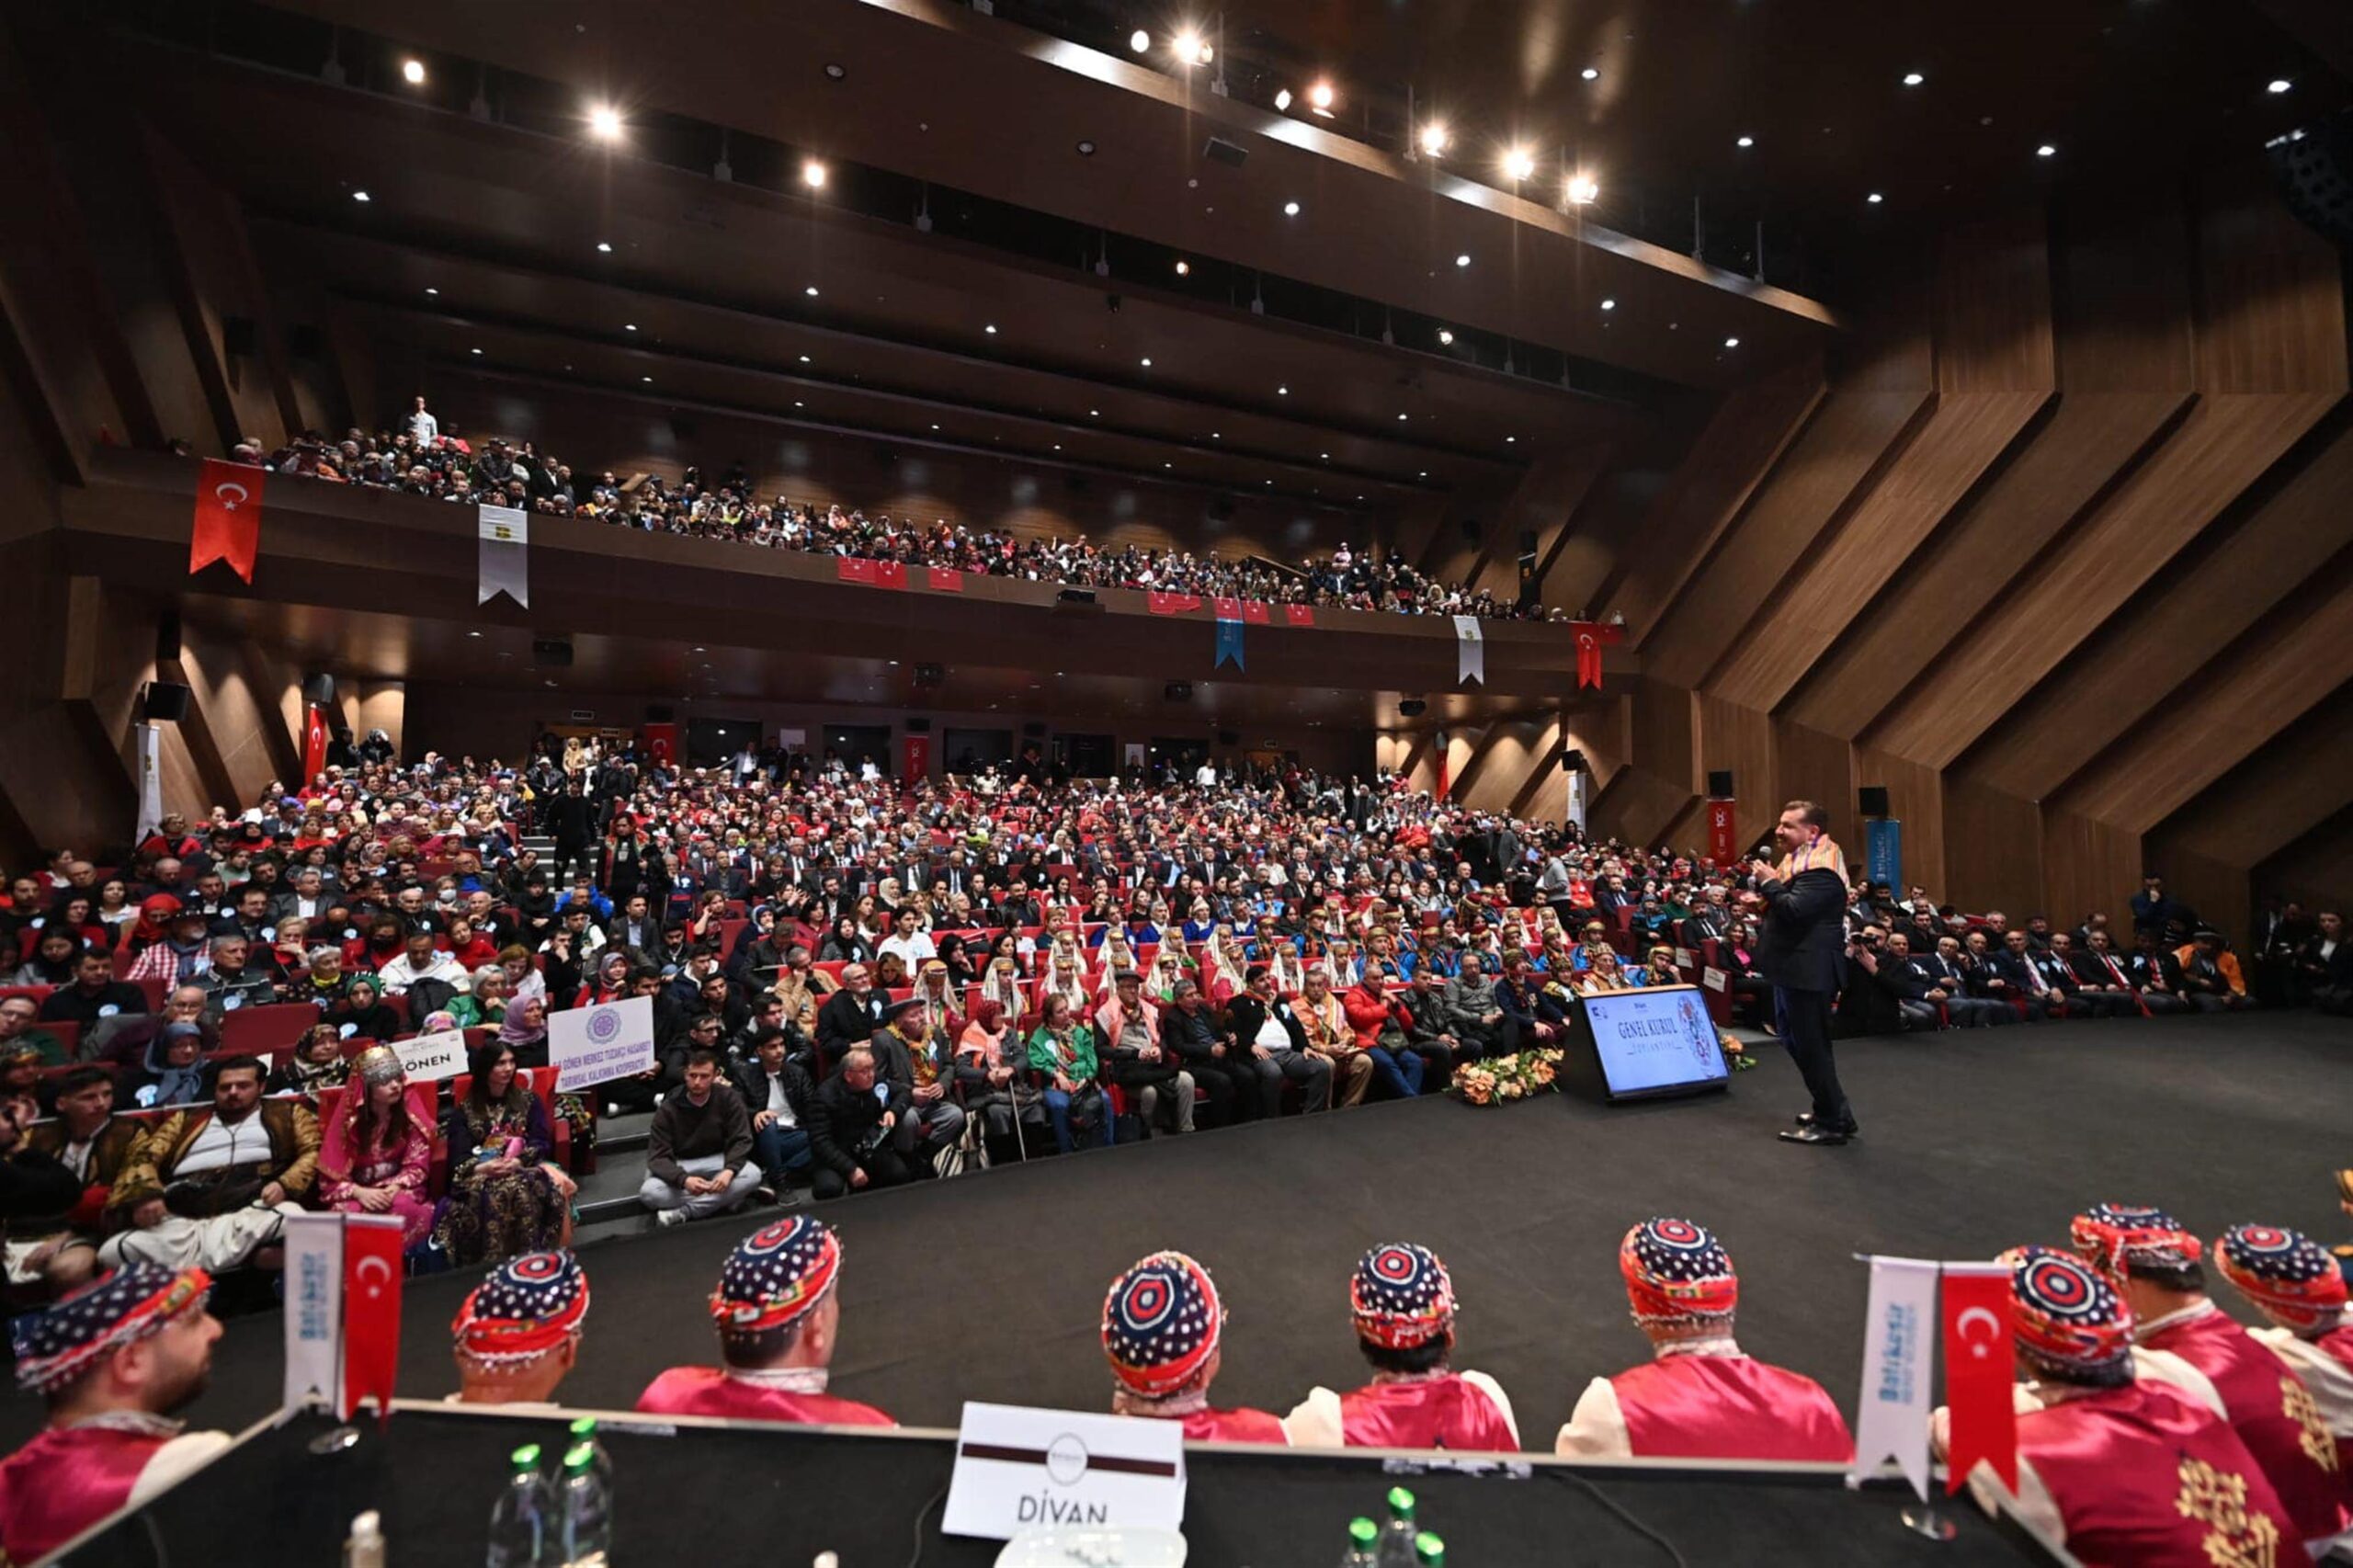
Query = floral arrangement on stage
x=1506 y=1078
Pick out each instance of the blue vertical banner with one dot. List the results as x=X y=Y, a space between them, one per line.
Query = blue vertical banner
x=1229 y=644
x=1883 y=851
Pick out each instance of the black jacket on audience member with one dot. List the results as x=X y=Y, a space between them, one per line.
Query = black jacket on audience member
x=843 y=1119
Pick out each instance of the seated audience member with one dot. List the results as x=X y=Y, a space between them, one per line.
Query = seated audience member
x=2120 y=1471
x=2101 y=960
x=376 y=1152
x=917 y=1061
x=1949 y=971
x=114 y=1361
x=518 y=1332
x=851 y=1015
x=90 y=1144
x=1699 y=1397
x=210 y=1186
x=1188 y=1032
x=2210 y=973
x=1323 y=1024
x=2095 y=993
x=1162 y=1327
x=852 y=1118
x=2296 y=1284
x=362 y=1013
x=1063 y=1049
x=316 y=1062
x=19 y=1032
x=2155 y=974
x=778 y=1316
x=776 y=1092
x=95 y=998
x=994 y=1078
x=1374 y=1023
x=1531 y=1016
x=1128 y=1025
x=505 y=1198
x=2022 y=972
x=1403 y=1304
x=2324 y=966
x=34 y=1189
x=2182 y=1338
x=233 y=980
x=699 y=1156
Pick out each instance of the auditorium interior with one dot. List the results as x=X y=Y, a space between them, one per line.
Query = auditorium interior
x=1405 y=482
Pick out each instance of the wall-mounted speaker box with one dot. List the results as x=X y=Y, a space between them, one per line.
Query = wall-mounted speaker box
x=918 y=726
x=318 y=690
x=1412 y=707
x=660 y=713
x=1870 y=801
x=1720 y=784
x=1572 y=761
x=551 y=652
x=167 y=700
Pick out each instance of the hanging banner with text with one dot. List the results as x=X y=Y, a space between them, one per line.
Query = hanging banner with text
x=1883 y=850
x=1229 y=644
x=1722 y=847
x=504 y=565
x=151 y=781
x=1470 y=651
x=589 y=1046
x=918 y=759
x=1898 y=1360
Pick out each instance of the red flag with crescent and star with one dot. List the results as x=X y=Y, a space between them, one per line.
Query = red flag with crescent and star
x=1978 y=1367
x=371 y=1308
x=1592 y=637
x=314 y=742
x=228 y=517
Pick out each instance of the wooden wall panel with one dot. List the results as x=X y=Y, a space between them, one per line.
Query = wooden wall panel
x=2316 y=869
x=2210 y=849
x=1916 y=797
x=1811 y=765
x=1993 y=848
x=2086 y=865
x=1544 y=504
x=1750 y=431
x=1664 y=735
x=1741 y=739
x=2238 y=701
x=2125 y=673
x=1637 y=807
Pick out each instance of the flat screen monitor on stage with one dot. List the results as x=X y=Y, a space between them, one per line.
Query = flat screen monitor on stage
x=1651 y=1042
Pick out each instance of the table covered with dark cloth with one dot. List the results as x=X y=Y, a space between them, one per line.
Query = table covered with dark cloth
x=698 y=1493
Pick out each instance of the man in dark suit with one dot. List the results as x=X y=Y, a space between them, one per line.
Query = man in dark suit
x=2097 y=994
x=2022 y=975
x=1802 y=905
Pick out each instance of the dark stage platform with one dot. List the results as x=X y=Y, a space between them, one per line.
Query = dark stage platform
x=991 y=1287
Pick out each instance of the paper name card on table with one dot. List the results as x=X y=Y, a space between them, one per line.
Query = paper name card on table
x=1021 y=1468
x=428 y=1058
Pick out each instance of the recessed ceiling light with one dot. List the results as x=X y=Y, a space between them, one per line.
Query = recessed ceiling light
x=1216 y=436
x=477 y=350
x=1609 y=304
x=1405 y=416
x=1291 y=209
x=1583 y=190
x=1094 y=414
x=2279 y=85
x=834 y=70
x=813 y=173
x=1282 y=391
x=1424 y=474
x=1591 y=74
x=1875 y=198
x=1086 y=148
x=360 y=195
x=1319 y=96
x=1184 y=268
x=474 y=633
x=804 y=358
x=413 y=72
x=1732 y=342
x=1145 y=361
x=1139 y=41
x=1282 y=98
x=811 y=291
x=1745 y=141
x=648 y=380
x=629 y=326
x=432 y=292
x=1325 y=456
x=1058 y=446
x=1509 y=439
x=604 y=247
x=935 y=426
x=796 y=402
x=1912 y=78
x=605 y=122
x=990 y=329
x=2046 y=151
x=1445 y=335
x=1463 y=259
x=1169 y=465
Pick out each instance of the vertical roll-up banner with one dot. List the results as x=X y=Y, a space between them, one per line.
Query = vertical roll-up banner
x=505 y=561
x=1470 y=651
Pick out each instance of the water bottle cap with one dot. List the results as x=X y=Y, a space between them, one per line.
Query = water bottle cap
x=1363 y=1532
x=579 y=1456
x=584 y=1427
x=1401 y=1502
x=1429 y=1549
x=525 y=1457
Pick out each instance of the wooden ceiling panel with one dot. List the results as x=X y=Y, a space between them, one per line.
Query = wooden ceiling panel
x=2294 y=785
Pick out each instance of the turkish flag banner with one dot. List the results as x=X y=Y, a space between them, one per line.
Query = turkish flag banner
x=1722 y=846
x=1228 y=609
x=1299 y=615
x=1591 y=637
x=889 y=575
x=1978 y=1362
x=944 y=579
x=314 y=742
x=1164 y=604
x=918 y=759
x=1255 y=612
x=371 y=1308
x=228 y=517
x=852 y=569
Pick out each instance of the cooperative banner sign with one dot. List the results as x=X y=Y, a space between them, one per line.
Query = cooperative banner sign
x=595 y=1045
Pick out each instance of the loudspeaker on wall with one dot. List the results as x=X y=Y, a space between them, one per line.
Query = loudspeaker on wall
x=167 y=700
x=1720 y=784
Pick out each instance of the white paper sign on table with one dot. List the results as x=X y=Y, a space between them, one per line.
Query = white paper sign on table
x=1020 y=1469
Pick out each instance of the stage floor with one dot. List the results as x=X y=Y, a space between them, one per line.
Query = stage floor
x=991 y=1287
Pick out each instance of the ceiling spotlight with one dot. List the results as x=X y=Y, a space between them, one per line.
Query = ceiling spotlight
x=1145 y=361
x=431 y=292
x=1875 y=198
x=1583 y=190
x=629 y=326
x=1404 y=416
x=834 y=71
x=604 y=247
x=2279 y=85
x=1139 y=41
x=1509 y=440
x=1609 y=304
x=1591 y=74
x=1282 y=391
x=990 y=329
x=1519 y=162
x=2046 y=151
x=1184 y=269
x=1325 y=456
x=804 y=358
x=811 y=291
x=1094 y=414
x=1319 y=98
x=1912 y=78
x=605 y=122
x=1192 y=50
x=360 y=195
x=1291 y=209
x=413 y=73
x=647 y=380
x=1445 y=335
x=1462 y=260
x=1434 y=139
x=1282 y=98
x=1732 y=342
x=1745 y=141
x=813 y=174
x=1086 y=148
x=477 y=350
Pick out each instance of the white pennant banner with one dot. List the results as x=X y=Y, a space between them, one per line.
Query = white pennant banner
x=1470 y=651
x=313 y=1311
x=1899 y=1352
x=151 y=781
x=506 y=555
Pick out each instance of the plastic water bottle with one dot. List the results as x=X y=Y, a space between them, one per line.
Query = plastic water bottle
x=1396 y=1548
x=522 y=1522
x=1362 y=1533
x=588 y=1534
x=1428 y=1550
x=584 y=1430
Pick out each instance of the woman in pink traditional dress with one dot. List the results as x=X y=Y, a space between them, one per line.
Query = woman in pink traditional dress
x=376 y=1151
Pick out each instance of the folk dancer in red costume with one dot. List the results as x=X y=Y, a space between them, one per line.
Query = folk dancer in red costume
x=2123 y=1472
x=2294 y=1281
x=1162 y=1327
x=1402 y=1301
x=518 y=1332
x=115 y=1359
x=2180 y=1337
x=777 y=1315
x=1699 y=1397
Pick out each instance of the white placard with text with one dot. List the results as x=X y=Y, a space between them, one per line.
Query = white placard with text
x=1020 y=1469
x=589 y=1046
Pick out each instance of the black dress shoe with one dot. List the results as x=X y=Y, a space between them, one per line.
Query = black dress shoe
x=1852 y=1128
x=1812 y=1135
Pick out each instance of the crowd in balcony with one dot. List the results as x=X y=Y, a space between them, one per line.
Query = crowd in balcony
x=422 y=460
